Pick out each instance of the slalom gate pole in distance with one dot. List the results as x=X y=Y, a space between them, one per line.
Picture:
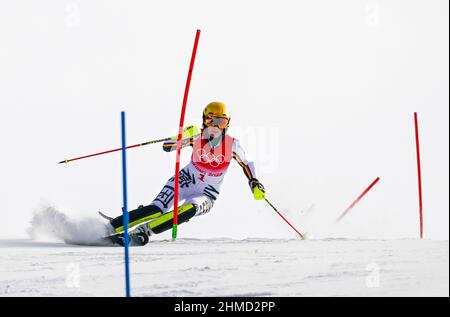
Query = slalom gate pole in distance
x=180 y=131
x=357 y=199
x=419 y=174
x=125 y=208
x=279 y=213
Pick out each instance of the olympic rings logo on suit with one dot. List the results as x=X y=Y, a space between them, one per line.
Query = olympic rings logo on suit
x=210 y=158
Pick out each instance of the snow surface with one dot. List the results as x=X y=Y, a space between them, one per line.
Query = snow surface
x=46 y=266
x=226 y=267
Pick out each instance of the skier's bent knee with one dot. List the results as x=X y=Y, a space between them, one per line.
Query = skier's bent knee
x=165 y=222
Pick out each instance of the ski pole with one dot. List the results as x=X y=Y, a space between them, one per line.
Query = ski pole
x=279 y=213
x=189 y=132
x=114 y=150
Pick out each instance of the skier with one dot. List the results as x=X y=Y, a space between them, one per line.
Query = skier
x=199 y=181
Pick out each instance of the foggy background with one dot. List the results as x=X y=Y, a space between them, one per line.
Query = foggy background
x=322 y=95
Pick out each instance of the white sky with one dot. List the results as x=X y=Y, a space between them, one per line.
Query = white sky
x=322 y=95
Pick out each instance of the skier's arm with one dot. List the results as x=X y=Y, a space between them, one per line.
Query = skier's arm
x=171 y=145
x=249 y=170
x=189 y=134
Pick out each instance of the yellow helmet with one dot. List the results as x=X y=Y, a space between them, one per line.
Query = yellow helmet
x=216 y=109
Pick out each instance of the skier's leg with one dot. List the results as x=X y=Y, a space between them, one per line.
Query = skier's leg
x=165 y=222
x=136 y=216
x=199 y=200
x=202 y=203
x=193 y=206
x=162 y=203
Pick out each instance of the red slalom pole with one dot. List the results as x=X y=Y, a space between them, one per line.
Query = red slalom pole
x=284 y=218
x=358 y=199
x=419 y=174
x=180 y=132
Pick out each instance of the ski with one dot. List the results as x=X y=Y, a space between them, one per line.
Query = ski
x=136 y=239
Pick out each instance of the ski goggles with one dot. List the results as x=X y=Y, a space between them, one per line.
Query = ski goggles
x=219 y=122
